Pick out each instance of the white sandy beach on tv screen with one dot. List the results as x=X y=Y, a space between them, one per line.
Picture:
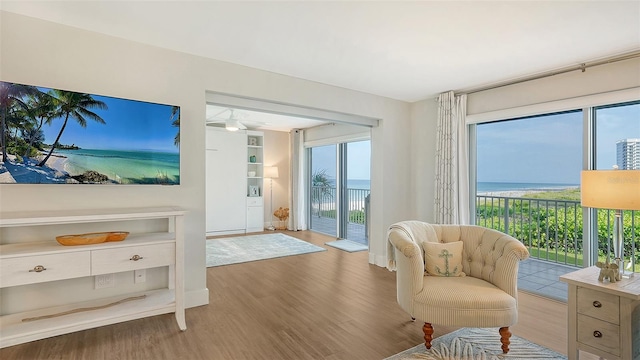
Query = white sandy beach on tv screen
x=27 y=172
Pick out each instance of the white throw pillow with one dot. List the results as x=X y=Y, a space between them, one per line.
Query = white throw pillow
x=443 y=259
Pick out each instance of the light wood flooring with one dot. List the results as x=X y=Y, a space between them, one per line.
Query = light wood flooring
x=326 y=305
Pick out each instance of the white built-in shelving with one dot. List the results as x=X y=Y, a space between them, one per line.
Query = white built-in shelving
x=255 y=174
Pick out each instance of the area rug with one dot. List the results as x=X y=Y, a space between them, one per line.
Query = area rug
x=240 y=249
x=347 y=245
x=477 y=344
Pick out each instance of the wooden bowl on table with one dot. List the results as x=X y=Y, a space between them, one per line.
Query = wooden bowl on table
x=117 y=235
x=82 y=239
x=91 y=238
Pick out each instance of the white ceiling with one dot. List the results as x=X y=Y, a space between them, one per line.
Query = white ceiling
x=402 y=50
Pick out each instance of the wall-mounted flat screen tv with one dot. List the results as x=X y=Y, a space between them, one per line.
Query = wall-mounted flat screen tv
x=53 y=136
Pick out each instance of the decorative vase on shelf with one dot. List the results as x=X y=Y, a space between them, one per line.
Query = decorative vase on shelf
x=252 y=158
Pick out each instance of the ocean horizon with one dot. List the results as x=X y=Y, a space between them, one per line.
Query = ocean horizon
x=491 y=186
x=124 y=166
x=482 y=186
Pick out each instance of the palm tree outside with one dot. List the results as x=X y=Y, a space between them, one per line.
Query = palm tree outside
x=76 y=106
x=321 y=186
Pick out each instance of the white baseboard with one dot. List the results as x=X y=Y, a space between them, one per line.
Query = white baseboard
x=226 y=232
x=195 y=298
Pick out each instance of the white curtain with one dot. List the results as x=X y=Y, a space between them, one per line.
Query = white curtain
x=297 y=199
x=452 y=161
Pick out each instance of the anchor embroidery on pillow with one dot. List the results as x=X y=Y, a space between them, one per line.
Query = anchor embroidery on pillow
x=446 y=255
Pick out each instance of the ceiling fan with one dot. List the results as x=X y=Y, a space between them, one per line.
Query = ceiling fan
x=231 y=122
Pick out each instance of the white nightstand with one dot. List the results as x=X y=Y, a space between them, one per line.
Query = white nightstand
x=604 y=317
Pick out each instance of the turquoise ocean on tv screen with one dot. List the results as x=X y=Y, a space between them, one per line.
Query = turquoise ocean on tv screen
x=125 y=166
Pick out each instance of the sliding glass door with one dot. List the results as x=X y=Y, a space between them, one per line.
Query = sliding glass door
x=357 y=161
x=617 y=143
x=340 y=189
x=323 y=195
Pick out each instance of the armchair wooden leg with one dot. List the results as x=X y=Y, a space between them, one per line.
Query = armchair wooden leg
x=505 y=334
x=428 y=334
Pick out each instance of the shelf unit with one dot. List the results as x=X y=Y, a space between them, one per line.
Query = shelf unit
x=255 y=162
x=255 y=196
x=23 y=263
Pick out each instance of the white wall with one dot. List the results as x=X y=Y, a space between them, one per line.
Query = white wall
x=335 y=133
x=46 y=54
x=276 y=153
x=595 y=80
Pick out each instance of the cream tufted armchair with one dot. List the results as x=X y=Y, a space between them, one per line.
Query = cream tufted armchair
x=486 y=297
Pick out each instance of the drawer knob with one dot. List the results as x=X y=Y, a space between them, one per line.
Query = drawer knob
x=597 y=304
x=597 y=334
x=136 y=257
x=38 y=268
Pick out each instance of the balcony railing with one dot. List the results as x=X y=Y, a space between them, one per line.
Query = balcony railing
x=553 y=229
x=323 y=203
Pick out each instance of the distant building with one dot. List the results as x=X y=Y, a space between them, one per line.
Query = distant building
x=628 y=154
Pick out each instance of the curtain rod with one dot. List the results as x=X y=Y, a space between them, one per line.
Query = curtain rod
x=583 y=67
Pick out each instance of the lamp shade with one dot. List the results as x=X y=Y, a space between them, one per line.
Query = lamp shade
x=610 y=189
x=271 y=172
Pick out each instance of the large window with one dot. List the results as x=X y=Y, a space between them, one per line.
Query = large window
x=528 y=175
x=618 y=136
x=528 y=179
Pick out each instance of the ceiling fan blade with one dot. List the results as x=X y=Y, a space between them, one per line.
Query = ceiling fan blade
x=222 y=112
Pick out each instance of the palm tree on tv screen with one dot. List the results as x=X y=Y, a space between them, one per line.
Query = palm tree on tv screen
x=175 y=115
x=41 y=109
x=76 y=106
x=10 y=95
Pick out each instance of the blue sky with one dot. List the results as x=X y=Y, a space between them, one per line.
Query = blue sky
x=358 y=160
x=548 y=149
x=130 y=125
x=613 y=124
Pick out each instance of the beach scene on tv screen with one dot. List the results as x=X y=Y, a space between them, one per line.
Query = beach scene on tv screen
x=53 y=136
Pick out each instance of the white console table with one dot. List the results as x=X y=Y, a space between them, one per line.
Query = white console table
x=23 y=263
x=604 y=317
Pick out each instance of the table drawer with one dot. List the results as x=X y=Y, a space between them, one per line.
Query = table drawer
x=599 y=334
x=16 y=271
x=124 y=259
x=599 y=305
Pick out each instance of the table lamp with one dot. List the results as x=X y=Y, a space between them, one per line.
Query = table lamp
x=615 y=190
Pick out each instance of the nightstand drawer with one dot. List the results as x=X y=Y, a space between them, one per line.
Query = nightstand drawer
x=599 y=334
x=599 y=305
x=254 y=201
x=41 y=268
x=132 y=258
